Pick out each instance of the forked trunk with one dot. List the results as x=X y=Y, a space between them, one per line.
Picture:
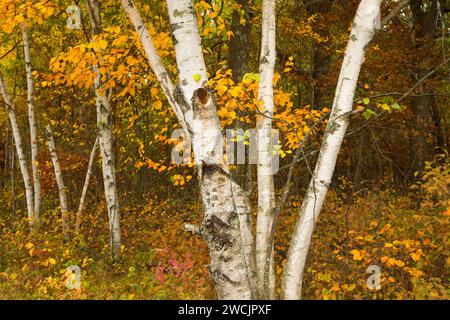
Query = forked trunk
x=226 y=223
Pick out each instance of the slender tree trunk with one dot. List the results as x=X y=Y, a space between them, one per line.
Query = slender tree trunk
x=266 y=194
x=6 y=159
x=224 y=213
x=62 y=190
x=239 y=55
x=104 y=126
x=321 y=57
x=13 y=178
x=364 y=25
x=19 y=149
x=239 y=59
x=85 y=187
x=424 y=17
x=33 y=126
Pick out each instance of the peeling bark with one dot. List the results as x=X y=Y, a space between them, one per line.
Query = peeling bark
x=226 y=216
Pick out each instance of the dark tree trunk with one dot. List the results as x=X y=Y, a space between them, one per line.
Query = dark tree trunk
x=425 y=14
x=239 y=53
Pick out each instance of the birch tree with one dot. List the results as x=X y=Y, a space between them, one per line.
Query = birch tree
x=266 y=195
x=104 y=126
x=366 y=21
x=33 y=124
x=225 y=206
x=85 y=187
x=62 y=190
x=226 y=224
x=11 y=110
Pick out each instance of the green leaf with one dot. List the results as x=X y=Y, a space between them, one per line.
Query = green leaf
x=196 y=77
x=368 y=113
x=396 y=106
x=366 y=101
x=252 y=76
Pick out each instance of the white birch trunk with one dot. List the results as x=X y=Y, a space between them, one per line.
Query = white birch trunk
x=226 y=222
x=19 y=149
x=85 y=187
x=104 y=126
x=33 y=125
x=154 y=60
x=366 y=21
x=266 y=195
x=62 y=190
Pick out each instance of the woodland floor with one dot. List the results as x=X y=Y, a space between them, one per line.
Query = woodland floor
x=407 y=238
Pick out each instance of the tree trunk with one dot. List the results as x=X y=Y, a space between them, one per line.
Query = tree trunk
x=266 y=195
x=19 y=149
x=33 y=126
x=104 y=126
x=85 y=187
x=224 y=215
x=364 y=25
x=239 y=55
x=62 y=190
x=424 y=18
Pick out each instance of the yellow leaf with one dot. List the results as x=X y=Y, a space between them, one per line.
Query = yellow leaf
x=386 y=107
x=132 y=61
x=348 y=287
x=158 y=104
x=102 y=44
x=154 y=91
x=356 y=255
x=416 y=255
x=399 y=263
x=335 y=287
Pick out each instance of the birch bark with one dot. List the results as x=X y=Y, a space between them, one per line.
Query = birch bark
x=10 y=108
x=62 y=190
x=33 y=125
x=104 y=126
x=367 y=20
x=225 y=224
x=85 y=187
x=266 y=195
x=226 y=220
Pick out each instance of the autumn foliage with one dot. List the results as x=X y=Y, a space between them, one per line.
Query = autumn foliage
x=388 y=204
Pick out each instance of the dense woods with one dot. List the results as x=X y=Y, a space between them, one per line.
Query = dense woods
x=224 y=149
